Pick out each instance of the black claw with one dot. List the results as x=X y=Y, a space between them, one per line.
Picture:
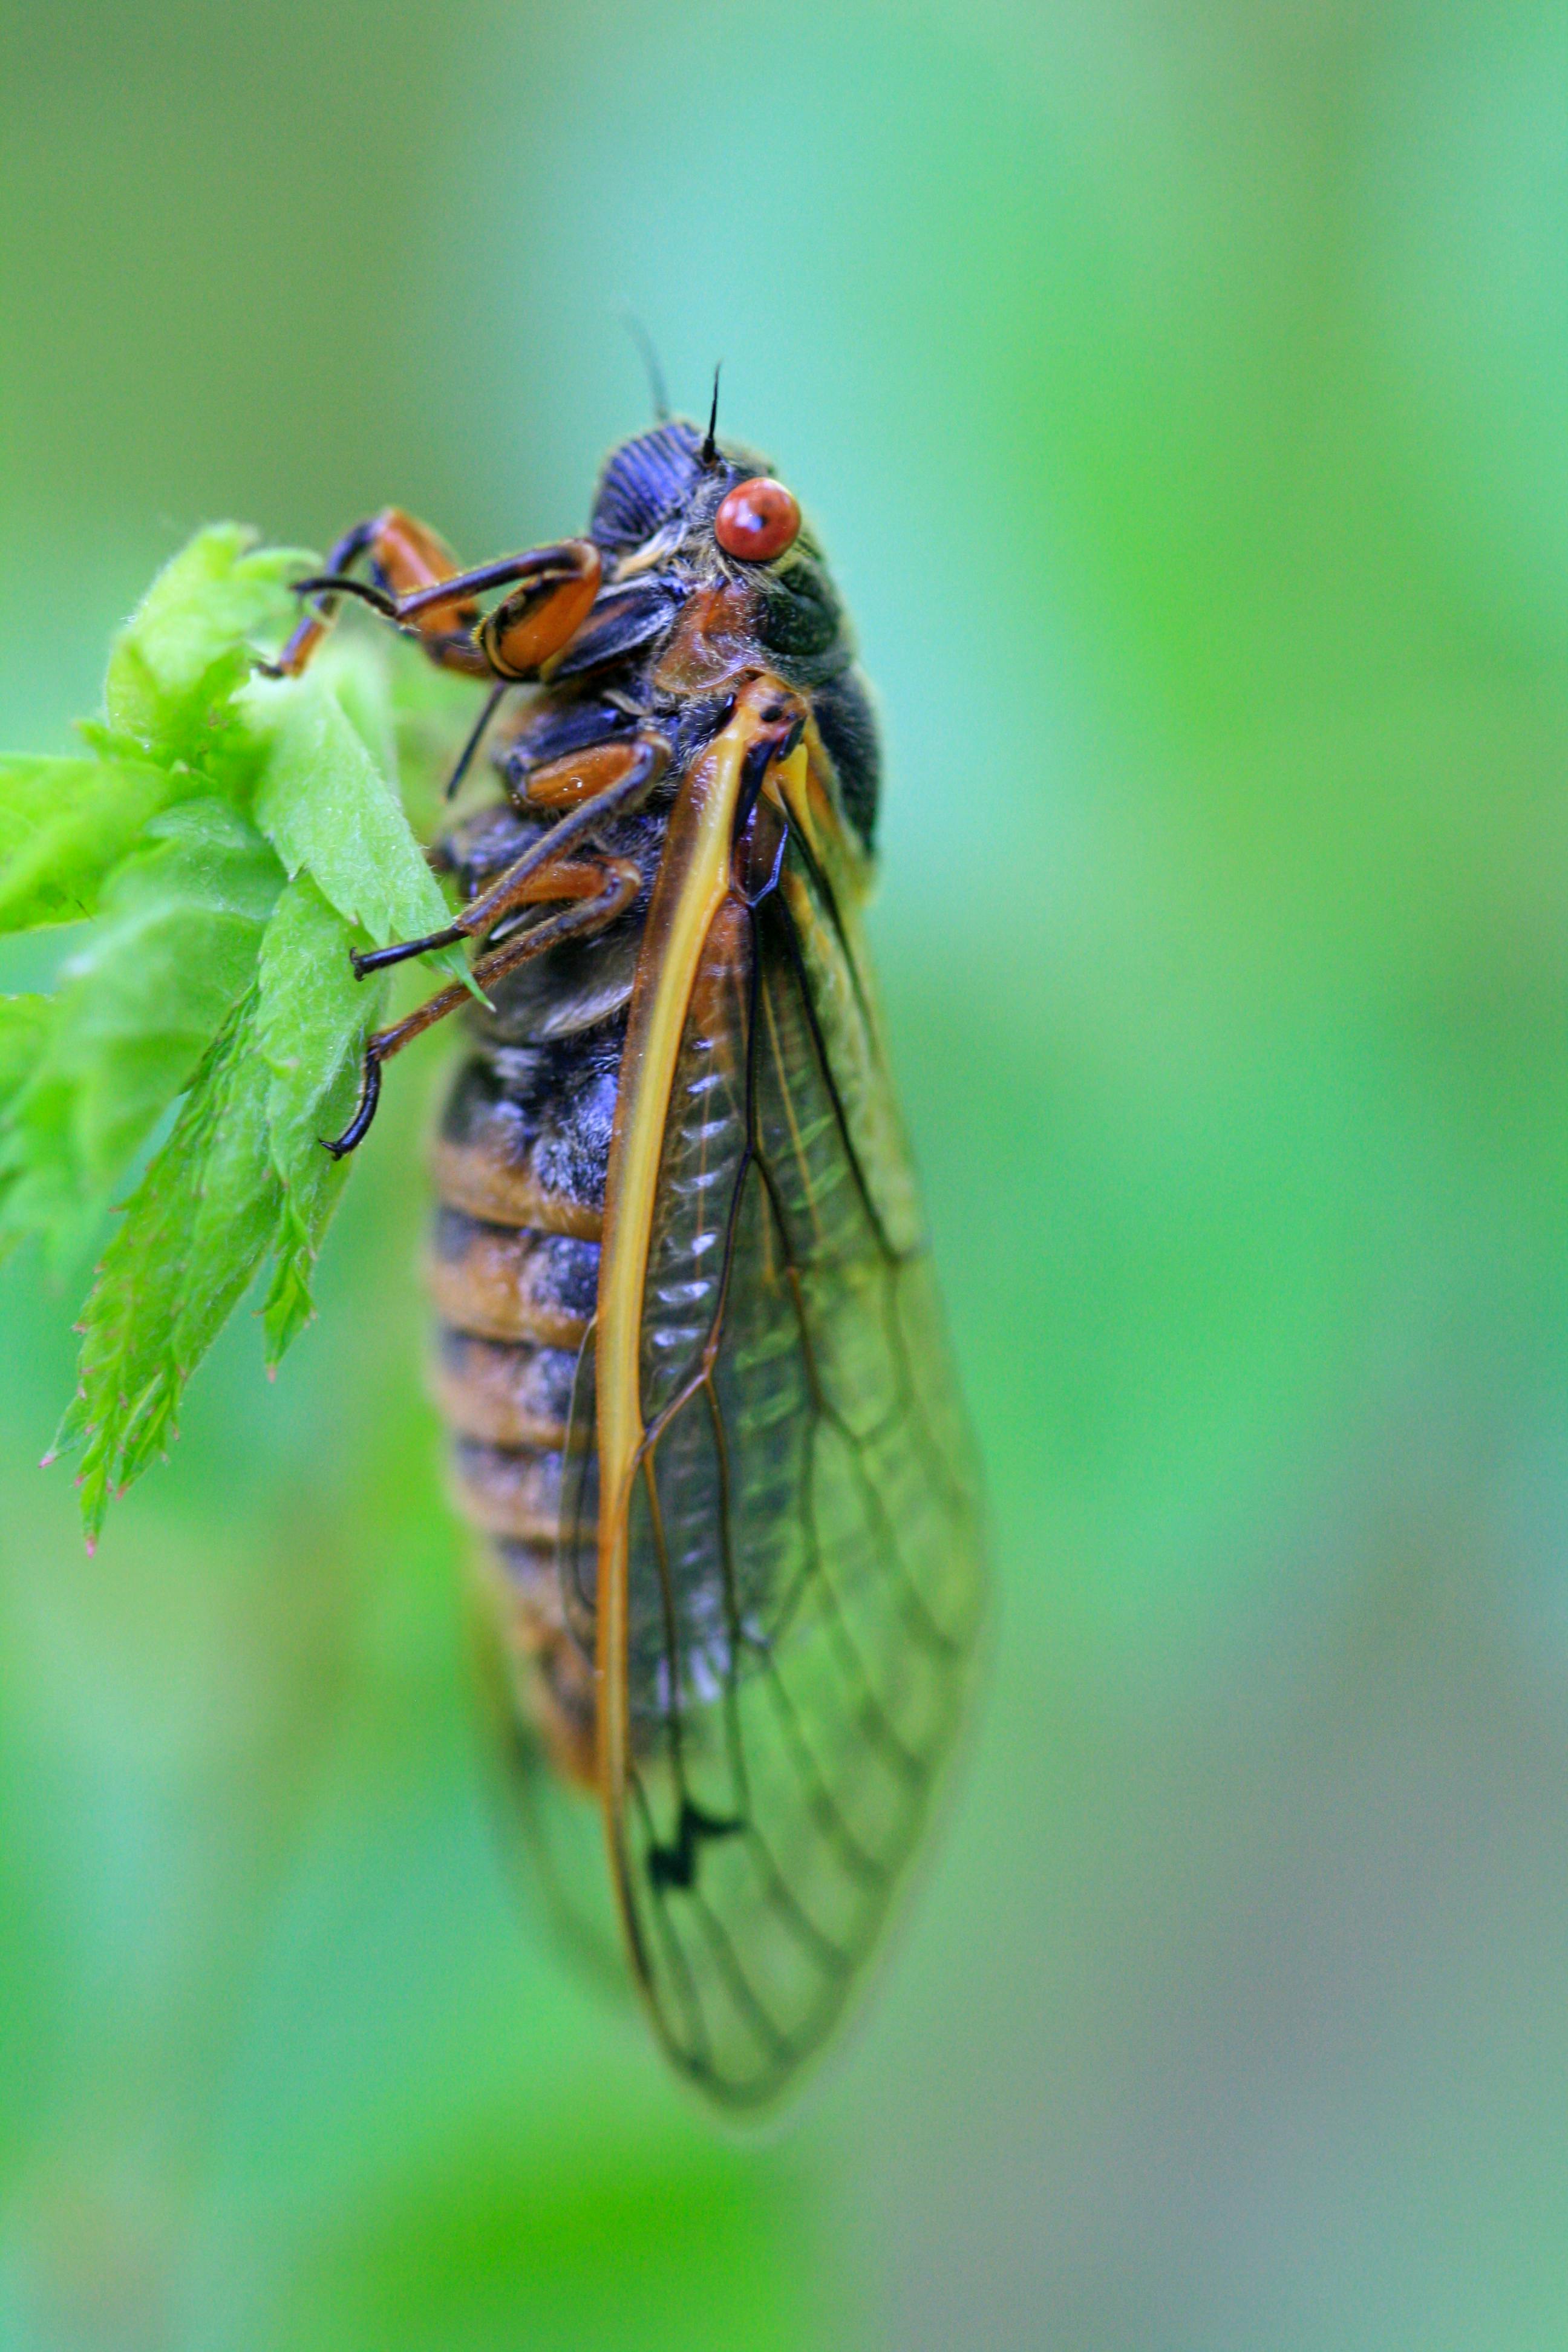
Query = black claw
x=358 y=1127
x=377 y=959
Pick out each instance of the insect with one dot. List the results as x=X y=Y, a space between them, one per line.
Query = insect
x=689 y=1350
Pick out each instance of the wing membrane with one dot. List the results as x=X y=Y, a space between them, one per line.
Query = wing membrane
x=802 y=1539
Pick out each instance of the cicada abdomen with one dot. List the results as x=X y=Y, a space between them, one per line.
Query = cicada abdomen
x=689 y=1350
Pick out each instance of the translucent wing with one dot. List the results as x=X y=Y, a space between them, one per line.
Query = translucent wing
x=803 y=1576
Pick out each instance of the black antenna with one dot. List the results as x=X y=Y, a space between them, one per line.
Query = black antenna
x=711 y=447
x=657 y=391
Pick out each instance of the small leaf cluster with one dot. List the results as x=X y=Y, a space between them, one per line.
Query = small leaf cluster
x=226 y=839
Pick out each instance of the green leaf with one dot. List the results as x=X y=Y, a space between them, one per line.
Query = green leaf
x=191 y=641
x=217 y=967
x=197 y=1228
x=138 y=1009
x=328 y=809
x=305 y=1215
x=313 y=1017
x=355 y=666
x=64 y=825
x=44 y=1190
x=24 y=1025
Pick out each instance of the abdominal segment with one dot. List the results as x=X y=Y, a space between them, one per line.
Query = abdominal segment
x=513 y=1269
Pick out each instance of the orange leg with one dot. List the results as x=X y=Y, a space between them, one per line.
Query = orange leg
x=417 y=584
x=599 y=888
x=641 y=762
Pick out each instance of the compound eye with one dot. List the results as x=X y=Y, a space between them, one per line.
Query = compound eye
x=756 y=520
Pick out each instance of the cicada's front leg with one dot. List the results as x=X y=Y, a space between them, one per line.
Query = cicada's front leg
x=416 y=584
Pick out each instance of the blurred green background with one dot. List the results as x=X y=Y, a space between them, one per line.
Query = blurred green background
x=1181 y=391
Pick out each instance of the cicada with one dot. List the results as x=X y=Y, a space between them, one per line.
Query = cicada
x=690 y=1352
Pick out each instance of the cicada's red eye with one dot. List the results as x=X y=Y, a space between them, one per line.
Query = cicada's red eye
x=757 y=520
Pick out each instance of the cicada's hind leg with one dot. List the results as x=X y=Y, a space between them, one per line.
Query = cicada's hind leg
x=598 y=889
x=416 y=584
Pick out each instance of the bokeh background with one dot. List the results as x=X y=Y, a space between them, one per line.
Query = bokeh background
x=1183 y=392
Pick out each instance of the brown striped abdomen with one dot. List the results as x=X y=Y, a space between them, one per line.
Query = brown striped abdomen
x=520 y=1166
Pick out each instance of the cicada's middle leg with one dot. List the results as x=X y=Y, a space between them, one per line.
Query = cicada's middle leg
x=597 y=888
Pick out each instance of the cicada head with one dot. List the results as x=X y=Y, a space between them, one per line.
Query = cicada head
x=671 y=503
x=710 y=558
